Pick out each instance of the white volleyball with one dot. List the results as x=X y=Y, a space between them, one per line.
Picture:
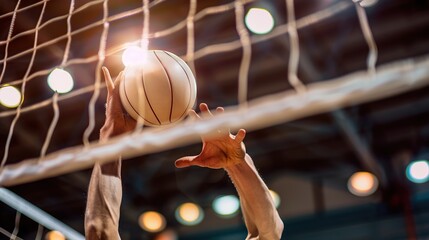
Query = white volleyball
x=159 y=91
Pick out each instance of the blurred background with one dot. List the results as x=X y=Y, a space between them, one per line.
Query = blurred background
x=354 y=173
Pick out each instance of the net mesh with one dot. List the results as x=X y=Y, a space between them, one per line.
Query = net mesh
x=300 y=101
x=35 y=222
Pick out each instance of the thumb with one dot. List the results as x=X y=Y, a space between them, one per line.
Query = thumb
x=185 y=162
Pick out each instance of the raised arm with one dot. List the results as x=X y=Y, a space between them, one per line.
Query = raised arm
x=228 y=152
x=105 y=188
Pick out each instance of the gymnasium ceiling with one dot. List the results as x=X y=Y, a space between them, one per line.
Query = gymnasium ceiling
x=301 y=160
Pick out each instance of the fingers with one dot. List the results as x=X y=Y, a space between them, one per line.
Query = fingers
x=108 y=79
x=204 y=108
x=240 y=135
x=220 y=110
x=193 y=115
x=184 y=162
x=119 y=79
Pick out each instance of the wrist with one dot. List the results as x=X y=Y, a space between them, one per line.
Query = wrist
x=237 y=165
x=109 y=130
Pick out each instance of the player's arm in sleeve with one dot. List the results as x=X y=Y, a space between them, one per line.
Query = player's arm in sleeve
x=105 y=187
x=227 y=151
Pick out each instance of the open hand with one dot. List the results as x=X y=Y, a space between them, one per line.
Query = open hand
x=219 y=151
x=117 y=121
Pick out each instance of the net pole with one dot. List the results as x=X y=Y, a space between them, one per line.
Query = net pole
x=23 y=206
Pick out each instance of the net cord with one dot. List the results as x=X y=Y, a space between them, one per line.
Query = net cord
x=51 y=126
x=294 y=81
x=9 y=35
x=367 y=33
x=16 y=228
x=39 y=233
x=97 y=84
x=205 y=51
x=391 y=79
x=56 y=116
x=8 y=234
x=45 y=24
x=27 y=73
x=246 y=46
x=69 y=27
x=367 y=158
x=212 y=49
x=20 y=10
x=190 y=39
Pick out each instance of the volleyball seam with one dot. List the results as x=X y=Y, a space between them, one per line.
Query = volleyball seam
x=147 y=98
x=189 y=83
x=129 y=103
x=169 y=80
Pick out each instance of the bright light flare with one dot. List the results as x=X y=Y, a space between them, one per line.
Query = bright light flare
x=10 y=96
x=189 y=214
x=226 y=205
x=60 y=81
x=152 y=221
x=418 y=171
x=259 y=21
x=362 y=184
x=133 y=55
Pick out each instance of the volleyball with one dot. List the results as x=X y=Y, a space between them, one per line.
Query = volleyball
x=160 y=90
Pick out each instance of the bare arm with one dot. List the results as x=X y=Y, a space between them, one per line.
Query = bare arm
x=105 y=188
x=228 y=152
x=261 y=217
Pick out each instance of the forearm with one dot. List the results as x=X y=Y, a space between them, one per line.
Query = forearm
x=103 y=204
x=257 y=204
x=104 y=200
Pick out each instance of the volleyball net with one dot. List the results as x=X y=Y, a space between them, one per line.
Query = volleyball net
x=302 y=100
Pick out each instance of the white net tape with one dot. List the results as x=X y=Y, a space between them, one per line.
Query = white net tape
x=320 y=97
x=304 y=100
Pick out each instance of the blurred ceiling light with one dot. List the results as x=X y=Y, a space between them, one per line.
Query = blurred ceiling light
x=362 y=184
x=60 y=81
x=10 y=96
x=133 y=55
x=167 y=235
x=226 y=205
x=152 y=221
x=418 y=171
x=276 y=198
x=189 y=214
x=259 y=21
x=54 y=235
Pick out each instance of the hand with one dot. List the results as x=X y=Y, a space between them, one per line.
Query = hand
x=117 y=122
x=221 y=151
